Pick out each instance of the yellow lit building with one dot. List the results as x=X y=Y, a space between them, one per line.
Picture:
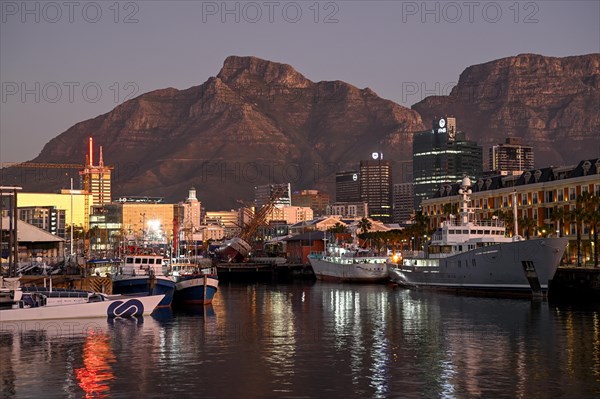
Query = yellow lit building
x=152 y=221
x=540 y=193
x=61 y=201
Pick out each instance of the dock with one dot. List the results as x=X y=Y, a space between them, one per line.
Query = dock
x=262 y=271
x=575 y=283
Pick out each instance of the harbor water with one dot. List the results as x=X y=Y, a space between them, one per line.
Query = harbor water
x=314 y=340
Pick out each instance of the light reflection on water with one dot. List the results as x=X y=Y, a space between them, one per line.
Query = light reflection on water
x=314 y=340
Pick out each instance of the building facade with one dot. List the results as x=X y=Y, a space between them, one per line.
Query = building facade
x=281 y=194
x=512 y=156
x=47 y=218
x=347 y=186
x=376 y=187
x=96 y=178
x=403 y=202
x=539 y=193
x=442 y=155
x=313 y=199
x=72 y=205
x=351 y=210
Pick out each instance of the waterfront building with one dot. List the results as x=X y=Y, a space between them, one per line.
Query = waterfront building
x=35 y=244
x=191 y=208
x=229 y=220
x=47 y=218
x=264 y=193
x=442 y=155
x=212 y=232
x=313 y=199
x=347 y=186
x=291 y=214
x=403 y=202
x=376 y=187
x=318 y=224
x=141 y=199
x=511 y=157
x=350 y=210
x=62 y=202
x=539 y=193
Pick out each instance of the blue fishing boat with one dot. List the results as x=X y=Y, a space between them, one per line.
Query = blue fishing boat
x=195 y=285
x=144 y=274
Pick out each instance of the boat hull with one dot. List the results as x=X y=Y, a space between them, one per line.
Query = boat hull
x=196 y=289
x=114 y=307
x=515 y=267
x=349 y=272
x=145 y=285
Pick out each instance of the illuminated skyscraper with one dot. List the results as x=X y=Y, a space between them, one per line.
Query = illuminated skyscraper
x=96 y=178
x=512 y=156
x=443 y=155
x=376 y=187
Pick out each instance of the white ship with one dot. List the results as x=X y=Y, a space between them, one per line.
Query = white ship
x=19 y=304
x=467 y=254
x=349 y=264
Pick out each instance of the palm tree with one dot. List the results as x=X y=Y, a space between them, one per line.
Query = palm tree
x=364 y=225
x=529 y=225
x=506 y=217
x=338 y=228
x=576 y=215
x=559 y=215
x=591 y=217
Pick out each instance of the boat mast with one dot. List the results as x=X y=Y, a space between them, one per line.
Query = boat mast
x=515 y=221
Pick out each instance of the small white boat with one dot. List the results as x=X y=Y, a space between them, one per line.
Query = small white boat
x=19 y=305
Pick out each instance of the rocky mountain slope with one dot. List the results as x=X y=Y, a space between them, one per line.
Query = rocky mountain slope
x=551 y=103
x=256 y=122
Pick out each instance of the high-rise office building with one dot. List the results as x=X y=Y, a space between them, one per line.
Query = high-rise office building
x=512 y=156
x=279 y=193
x=347 y=186
x=376 y=187
x=403 y=202
x=313 y=199
x=443 y=155
x=96 y=178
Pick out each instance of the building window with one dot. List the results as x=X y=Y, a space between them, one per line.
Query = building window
x=534 y=198
x=572 y=195
x=584 y=189
x=560 y=195
x=549 y=196
x=597 y=191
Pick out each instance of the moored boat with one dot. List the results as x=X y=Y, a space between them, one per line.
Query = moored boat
x=144 y=274
x=45 y=304
x=194 y=285
x=473 y=255
x=349 y=263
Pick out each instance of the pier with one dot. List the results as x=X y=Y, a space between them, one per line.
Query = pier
x=575 y=283
x=250 y=271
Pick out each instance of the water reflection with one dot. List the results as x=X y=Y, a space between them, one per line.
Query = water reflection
x=96 y=374
x=314 y=340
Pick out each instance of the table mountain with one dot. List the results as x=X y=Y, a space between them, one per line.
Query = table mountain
x=551 y=103
x=256 y=122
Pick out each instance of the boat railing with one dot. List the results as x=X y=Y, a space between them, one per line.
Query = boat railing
x=484 y=223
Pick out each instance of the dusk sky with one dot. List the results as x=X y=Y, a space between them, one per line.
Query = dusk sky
x=65 y=62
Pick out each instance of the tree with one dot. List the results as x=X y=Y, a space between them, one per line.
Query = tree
x=591 y=216
x=364 y=225
x=338 y=228
x=559 y=215
x=576 y=215
x=529 y=225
